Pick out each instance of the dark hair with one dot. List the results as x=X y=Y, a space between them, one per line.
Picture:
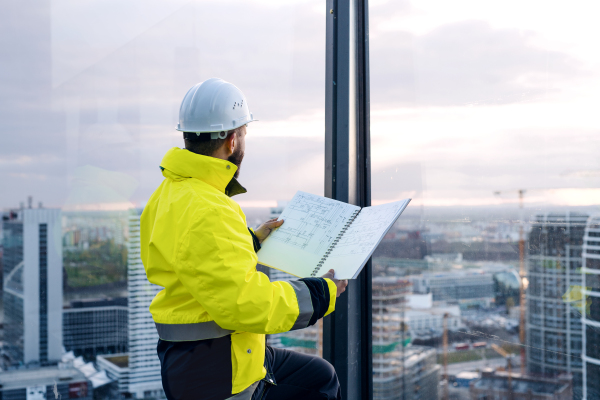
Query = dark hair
x=202 y=144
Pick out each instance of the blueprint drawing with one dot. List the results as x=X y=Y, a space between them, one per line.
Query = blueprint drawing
x=312 y=222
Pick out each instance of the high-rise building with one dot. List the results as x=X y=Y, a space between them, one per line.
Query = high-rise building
x=32 y=287
x=98 y=326
x=590 y=310
x=137 y=372
x=144 y=365
x=2 y=217
x=553 y=327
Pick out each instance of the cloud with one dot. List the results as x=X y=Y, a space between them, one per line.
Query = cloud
x=464 y=63
x=115 y=109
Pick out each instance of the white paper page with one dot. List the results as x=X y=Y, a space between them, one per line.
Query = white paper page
x=360 y=241
x=311 y=225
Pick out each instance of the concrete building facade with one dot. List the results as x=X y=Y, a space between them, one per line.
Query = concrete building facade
x=117 y=369
x=466 y=289
x=32 y=285
x=93 y=327
x=553 y=326
x=425 y=323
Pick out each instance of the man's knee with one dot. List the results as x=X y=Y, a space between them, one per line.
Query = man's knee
x=329 y=386
x=326 y=370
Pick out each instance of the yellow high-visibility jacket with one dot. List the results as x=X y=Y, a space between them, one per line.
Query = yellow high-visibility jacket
x=196 y=245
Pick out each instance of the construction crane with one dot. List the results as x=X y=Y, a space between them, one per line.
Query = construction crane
x=445 y=344
x=523 y=279
x=508 y=357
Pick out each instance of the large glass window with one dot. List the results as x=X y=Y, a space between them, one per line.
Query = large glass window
x=90 y=95
x=471 y=103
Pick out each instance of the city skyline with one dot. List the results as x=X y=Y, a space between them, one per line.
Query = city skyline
x=441 y=266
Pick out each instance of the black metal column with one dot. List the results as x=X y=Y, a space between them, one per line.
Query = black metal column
x=347 y=332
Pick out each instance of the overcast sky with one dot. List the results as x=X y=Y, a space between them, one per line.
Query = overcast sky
x=468 y=97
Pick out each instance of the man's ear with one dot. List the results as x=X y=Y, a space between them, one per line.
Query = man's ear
x=231 y=142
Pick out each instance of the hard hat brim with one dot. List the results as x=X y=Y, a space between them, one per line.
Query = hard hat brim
x=178 y=128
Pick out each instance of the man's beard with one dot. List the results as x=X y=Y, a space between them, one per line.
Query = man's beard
x=236 y=158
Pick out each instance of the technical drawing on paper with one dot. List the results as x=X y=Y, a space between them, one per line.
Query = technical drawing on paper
x=366 y=230
x=312 y=222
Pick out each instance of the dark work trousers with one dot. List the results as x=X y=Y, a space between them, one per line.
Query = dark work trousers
x=202 y=370
x=297 y=376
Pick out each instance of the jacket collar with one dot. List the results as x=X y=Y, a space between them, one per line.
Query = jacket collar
x=216 y=172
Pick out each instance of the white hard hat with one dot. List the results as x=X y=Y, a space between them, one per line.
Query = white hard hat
x=213 y=106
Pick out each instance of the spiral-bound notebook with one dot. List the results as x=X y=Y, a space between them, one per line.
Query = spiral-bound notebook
x=320 y=234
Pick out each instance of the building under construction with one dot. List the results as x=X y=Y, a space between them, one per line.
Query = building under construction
x=399 y=371
x=554 y=329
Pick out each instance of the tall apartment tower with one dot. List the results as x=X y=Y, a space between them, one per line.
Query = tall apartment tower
x=590 y=309
x=32 y=287
x=554 y=328
x=144 y=365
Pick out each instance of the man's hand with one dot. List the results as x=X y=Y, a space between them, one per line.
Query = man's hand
x=265 y=229
x=341 y=285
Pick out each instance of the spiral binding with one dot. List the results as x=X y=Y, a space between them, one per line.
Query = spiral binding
x=335 y=241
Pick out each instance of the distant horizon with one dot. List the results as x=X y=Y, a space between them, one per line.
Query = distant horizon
x=413 y=208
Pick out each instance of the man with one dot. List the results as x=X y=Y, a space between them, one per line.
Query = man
x=215 y=308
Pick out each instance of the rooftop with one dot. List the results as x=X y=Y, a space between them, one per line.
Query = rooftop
x=17 y=379
x=121 y=361
x=93 y=303
x=521 y=384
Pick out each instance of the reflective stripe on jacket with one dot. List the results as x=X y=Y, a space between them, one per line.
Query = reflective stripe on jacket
x=196 y=245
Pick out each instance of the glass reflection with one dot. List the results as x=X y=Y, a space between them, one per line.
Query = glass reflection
x=476 y=110
x=90 y=99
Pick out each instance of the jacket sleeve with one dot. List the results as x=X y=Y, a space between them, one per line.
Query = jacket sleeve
x=323 y=301
x=216 y=263
x=255 y=241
